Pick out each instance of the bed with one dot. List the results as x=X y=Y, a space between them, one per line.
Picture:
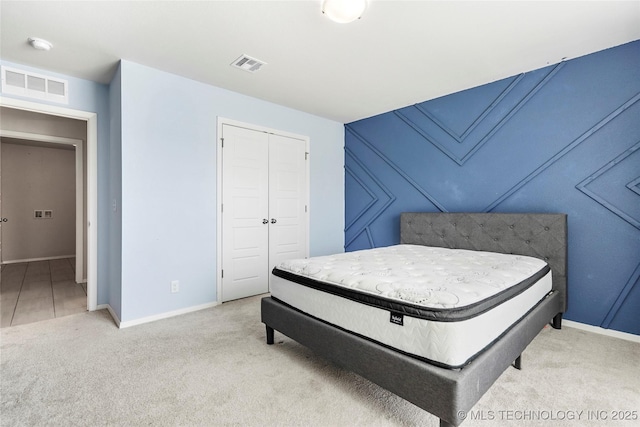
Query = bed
x=448 y=384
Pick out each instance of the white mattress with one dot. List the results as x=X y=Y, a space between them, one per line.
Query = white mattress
x=442 y=305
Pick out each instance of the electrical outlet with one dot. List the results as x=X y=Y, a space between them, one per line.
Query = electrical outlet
x=175 y=286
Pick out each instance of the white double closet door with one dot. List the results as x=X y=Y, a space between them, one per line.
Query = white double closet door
x=264 y=207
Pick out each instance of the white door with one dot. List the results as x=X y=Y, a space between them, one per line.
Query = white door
x=287 y=200
x=264 y=207
x=245 y=212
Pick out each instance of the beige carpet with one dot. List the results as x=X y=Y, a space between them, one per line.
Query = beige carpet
x=213 y=368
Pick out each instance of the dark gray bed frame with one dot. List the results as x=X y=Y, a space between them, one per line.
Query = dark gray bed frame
x=445 y=393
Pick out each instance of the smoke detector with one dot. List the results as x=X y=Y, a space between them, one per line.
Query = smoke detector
x=247 y=63
x=39 y=44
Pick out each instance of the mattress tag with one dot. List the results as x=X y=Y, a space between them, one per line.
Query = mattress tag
x=398 y=319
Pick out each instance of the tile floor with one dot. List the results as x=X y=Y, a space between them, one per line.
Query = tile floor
x=41 y=290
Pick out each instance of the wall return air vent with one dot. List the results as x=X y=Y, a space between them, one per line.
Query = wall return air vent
x=32 y=85
x=248 y=63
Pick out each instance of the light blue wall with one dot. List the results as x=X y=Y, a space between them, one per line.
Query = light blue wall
x=115 y=193
x=169 y=184
x=565 y=138
x=89 y=96
x=157 y=160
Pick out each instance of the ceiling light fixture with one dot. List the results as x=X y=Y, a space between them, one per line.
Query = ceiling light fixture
x=343 y=11
x=39 y=44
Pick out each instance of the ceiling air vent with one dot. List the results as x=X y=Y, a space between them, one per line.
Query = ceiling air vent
x=248 y=63
x=32 y=85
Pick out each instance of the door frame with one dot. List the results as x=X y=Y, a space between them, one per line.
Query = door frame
x=92 y=181
x=224 y=121
x=79 y=187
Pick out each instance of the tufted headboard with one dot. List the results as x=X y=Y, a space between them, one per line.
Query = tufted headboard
x=539 y=235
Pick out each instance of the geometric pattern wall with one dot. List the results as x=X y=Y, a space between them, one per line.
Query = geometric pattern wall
x=565 y=138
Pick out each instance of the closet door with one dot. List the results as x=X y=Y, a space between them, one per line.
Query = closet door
x=287 y=199
x=245 y=213
x=264 y=207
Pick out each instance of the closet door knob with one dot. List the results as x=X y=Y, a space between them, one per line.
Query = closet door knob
x=273 y=221
x=265 y=221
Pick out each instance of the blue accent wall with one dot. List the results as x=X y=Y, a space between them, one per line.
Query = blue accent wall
x=565 y=138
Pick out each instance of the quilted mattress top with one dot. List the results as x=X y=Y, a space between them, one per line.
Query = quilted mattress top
x=421 y=276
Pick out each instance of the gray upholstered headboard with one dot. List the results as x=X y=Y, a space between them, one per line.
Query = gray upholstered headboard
x=539 y=235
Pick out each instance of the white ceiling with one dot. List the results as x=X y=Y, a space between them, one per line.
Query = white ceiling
x=398 y=54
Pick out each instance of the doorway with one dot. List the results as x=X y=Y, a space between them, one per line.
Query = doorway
x=43 y=246
x=90 y=225
x=38 y=143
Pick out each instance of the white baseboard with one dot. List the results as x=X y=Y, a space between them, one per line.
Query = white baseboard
x=166 y=315
x=49 y=258
x=568 y=323
x=602 y=331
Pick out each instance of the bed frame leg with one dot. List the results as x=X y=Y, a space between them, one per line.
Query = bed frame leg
x=518 y=363
x=443 y=423
x=557 y=321
x=269 y=335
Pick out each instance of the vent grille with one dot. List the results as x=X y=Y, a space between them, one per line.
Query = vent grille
x=57 y=88
x=15 y=79
x=247 y=63
x=36 y=83
x=32 y=85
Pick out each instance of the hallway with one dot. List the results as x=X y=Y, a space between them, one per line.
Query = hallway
x=41 y=290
